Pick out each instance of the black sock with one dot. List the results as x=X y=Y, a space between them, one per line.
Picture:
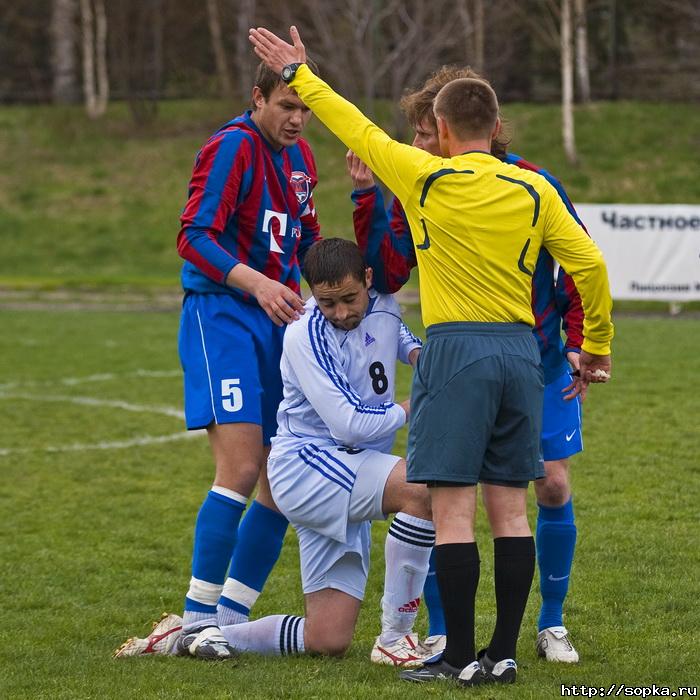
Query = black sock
x=514 y=567
x=457 y=569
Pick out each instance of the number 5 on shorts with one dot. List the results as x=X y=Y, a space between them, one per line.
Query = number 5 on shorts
x=231 y=395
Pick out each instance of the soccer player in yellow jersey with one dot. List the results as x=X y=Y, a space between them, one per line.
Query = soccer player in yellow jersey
x=476 y=404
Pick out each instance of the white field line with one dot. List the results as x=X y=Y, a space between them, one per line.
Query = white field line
x=113 y=445
x=90 y=378
x=105 y=403
x=91 y=401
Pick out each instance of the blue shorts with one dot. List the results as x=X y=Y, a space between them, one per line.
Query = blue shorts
x=230 y=353
x=561 y=422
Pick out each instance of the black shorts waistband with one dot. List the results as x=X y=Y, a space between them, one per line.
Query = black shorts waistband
x=477 y=328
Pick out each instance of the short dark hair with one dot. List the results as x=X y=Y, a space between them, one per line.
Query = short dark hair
x=418 y=105
x=331 y=260
x=469 y=106
x=267 y=80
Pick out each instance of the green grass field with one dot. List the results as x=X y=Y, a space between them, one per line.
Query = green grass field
x=101 y=483
x=100 y=488
x=85 y=202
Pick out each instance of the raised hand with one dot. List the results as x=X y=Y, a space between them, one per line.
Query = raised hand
x=275 y=52
x=361 y=175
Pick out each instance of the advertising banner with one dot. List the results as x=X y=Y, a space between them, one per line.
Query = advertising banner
x=652 y=250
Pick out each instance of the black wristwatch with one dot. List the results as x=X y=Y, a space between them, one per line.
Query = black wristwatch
x=289 y=71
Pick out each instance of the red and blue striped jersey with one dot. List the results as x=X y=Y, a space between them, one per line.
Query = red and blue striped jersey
x=247 y=203
x=384 y=238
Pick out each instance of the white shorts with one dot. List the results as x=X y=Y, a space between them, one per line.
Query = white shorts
x=329 y=494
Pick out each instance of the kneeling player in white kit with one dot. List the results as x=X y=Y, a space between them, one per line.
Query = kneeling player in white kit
x=331 y=474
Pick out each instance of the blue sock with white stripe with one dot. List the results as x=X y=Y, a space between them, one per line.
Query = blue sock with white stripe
x=277 y=635
x=260 y=537
x=409 y=543
x=556 y=541
x=214 y=540
x=431 y=596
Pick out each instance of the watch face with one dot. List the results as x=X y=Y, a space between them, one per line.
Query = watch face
x=287 y=73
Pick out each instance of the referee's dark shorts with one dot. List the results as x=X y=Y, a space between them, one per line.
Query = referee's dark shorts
x=476 y=406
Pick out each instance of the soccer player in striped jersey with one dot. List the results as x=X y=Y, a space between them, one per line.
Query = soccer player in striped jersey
x=331 y=473
x=247 y=225
x=385 y=240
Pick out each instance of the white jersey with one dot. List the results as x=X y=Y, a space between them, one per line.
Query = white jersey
x=338 y=384
x=337 y=418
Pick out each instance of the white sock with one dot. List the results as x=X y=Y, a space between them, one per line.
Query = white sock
x=406 y=554
x=192 y=617
x=279 y=635
x=229 y=616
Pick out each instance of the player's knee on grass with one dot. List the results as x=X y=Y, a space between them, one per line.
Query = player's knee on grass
x=554 y=490
x=400 y=496
x=331 y=616
x=328 y=642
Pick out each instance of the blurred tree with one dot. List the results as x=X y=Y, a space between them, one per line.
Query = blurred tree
x=471 y=14
x=613 y=36
x=245 y=59
x=344 y=61
x=95 y=78
x=217 y=45
x=554 y=27
x=567 y=82
x=363 y=20
x=417 y=43
x=581 y=43
x=179 y=48
x=137 y=49
x=64 y=53
x=25 y=51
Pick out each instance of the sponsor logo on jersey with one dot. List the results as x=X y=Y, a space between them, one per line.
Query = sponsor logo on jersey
x=301 y=184
x=368 y=339
x=411 y=606
x=275 y=223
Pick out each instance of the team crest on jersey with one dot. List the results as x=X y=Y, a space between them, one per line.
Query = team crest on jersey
x=301 y=184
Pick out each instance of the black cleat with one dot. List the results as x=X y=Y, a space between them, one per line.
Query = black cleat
x=471 y=674
x=503 y=671
x=205 y=641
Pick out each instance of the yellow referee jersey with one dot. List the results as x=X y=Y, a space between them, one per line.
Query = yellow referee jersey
x=477 y=224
